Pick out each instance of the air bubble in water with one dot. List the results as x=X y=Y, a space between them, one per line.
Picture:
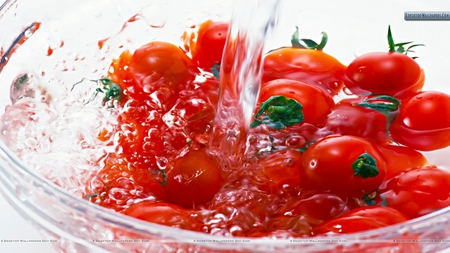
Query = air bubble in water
x=22 y=87
x=154 y=16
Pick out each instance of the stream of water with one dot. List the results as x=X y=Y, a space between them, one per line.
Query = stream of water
x=240 y=76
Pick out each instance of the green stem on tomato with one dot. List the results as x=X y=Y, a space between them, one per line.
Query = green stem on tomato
x=400 y=47
x=216 y=70
x=365 y=166
x=382 y=103
x=308 y=43
x=112 y=90
x=163 y=181
x=370 y=198
x=278 y=112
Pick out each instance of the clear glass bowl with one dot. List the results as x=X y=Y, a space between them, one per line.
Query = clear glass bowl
x=56 y=43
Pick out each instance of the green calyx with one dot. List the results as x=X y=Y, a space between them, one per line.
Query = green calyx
x=111 y=90
x=216 y=70
x=365 y=166
x=382 y=103
x=371 y=199
x=279 y=112
x=307 y=43
x=400 y=47
x=163 y=180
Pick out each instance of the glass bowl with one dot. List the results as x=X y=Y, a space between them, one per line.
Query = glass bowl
x=48 y=46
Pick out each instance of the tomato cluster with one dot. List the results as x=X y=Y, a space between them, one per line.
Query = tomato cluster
x=315 y=164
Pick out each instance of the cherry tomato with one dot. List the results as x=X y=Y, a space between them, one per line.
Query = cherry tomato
x=194 y=179
x=348 y=165
x=316 y=103
x=281 y=167
x=306 y=65
x=164 y=214
x=400 y=159
x=423 y=122
x=120 y=184
x=349 y=118
x=418 y=192
x=382 y=73
x=319 y=205
x=157 y=68
x=362 y=219
x=141 y=135
x=208 y=48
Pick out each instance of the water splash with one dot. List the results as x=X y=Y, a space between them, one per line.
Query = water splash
x=240 y=76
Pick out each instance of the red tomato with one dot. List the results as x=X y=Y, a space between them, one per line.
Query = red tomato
x=194 y=179
x=400 y=159
x=164 y=214
x=316 y=103
x=306 y=65
x=348 y=165
x=423 y=122
x=120 y=184
x=158 y=67
x=362 y=219
x=418 y=192
x=382 y=73
x=319 y=205
x=208 y=48
x=281 y=167
x=348 y=118
x=140 y=136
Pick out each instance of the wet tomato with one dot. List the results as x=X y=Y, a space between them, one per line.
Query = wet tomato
x=418 y=192
x=348 y=165
x=119 y=184
x=194 y=179
x=163 y=214
x=361 y=219
x=400 y=159
x=423 y=121
x=382 y=73
x=208 y=48
x=317 y=205
x=158 y=68
x=281 y=167
x=349 y=118
x=315 y=102
x=306 y=65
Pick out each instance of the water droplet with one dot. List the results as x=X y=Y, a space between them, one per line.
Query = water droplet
x=296 y=141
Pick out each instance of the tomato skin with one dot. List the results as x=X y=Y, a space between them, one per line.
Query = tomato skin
x=118 y=184
x=319 y=205
x=311 y=66
x=418 y=192
x=154 y=67
x=194 y=179
x=400 y=159
x=362 y=219
x=327 y=164
x=423 y=122
x=382 y=73
x=163 y=214
x=281 y=167
x=347 y=118
x=316 y=103
x=210 y=43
